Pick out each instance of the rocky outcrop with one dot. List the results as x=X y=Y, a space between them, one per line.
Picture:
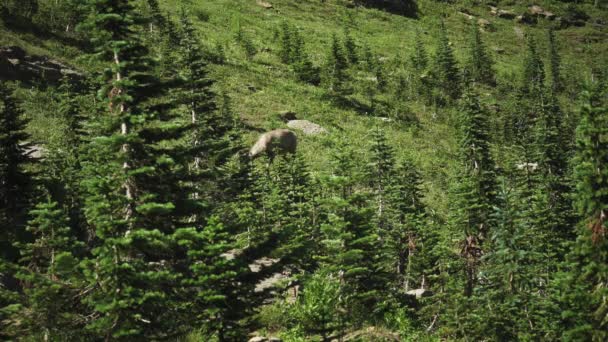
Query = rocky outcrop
x=264 y=4
x=17 y=65
x=504 y=14
x=538 y=11
x=307 y=127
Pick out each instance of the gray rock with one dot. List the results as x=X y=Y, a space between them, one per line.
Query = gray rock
x=16 y=65
x=307 y=127
x=258 y=339
x=264 y=4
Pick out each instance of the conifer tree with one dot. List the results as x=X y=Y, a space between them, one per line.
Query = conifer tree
x=445 y=67
x=15 y=195
x=585 y=298
x=409 y=241
x=419 y=57
x=50 y=270
x=533 y=81
x=134 y=198
x=476 y=194
x=479 y=64
x=349 y=242
x=554 y=63
x=337 y=77
x=15 y=180
x=351 y=48
x=286 y=49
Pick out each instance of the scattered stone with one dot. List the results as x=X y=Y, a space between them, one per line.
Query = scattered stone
x=484 y=23
x=384 y=119
x=264 y=4
x=16 y=65
x=307 y=127
x=258 y=339
x=468 y=16
x=538 y=11
x=288 y=115
x=274 y=339
x=499 y=50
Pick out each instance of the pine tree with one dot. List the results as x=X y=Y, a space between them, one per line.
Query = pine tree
x=479 y=64
x=533 y=81
x=50 y=270
x=585 y=298
x=287 y=44
x=381 y=173
x=15 y=195
x=301 y=62
x=409 y=241
x=337 y=77
x=419 y=57
x=133 y=185
x=351 y=48
x=15 y=180
x=477 y=186
x=446 y=70
x=349 y=242
x=554 y=63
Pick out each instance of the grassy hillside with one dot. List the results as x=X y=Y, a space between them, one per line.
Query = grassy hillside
x=391 y=36
x=260 y=86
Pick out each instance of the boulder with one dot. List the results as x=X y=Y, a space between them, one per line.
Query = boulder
x=264 y=4
x=307 y=127
x=17 y=65
x=468 y=16
x=258 y=339
x=538 y=11
x=484 y=23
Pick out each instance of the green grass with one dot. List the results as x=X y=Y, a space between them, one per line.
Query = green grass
x=391 y=36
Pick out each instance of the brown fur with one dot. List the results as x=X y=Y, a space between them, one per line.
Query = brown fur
x=276 y=141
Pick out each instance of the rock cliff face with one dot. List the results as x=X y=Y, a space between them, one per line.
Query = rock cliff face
x=16 y=65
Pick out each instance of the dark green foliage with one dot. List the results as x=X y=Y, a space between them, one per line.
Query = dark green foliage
x=293 y=52
x=133 y=180
x=349 y=241
x=15 y=180
x=476 y=187
x=585 y=317
x=479 y=67
x=533 y=81
x=51 y=276
x=15 y=197
x=445 y=67
x=554 y=63
x=337 y=77
x=351 y=48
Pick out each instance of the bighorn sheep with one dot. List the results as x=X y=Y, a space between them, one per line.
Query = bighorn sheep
x=278 y=140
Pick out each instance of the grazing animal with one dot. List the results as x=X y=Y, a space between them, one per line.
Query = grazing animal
x=278 y=140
